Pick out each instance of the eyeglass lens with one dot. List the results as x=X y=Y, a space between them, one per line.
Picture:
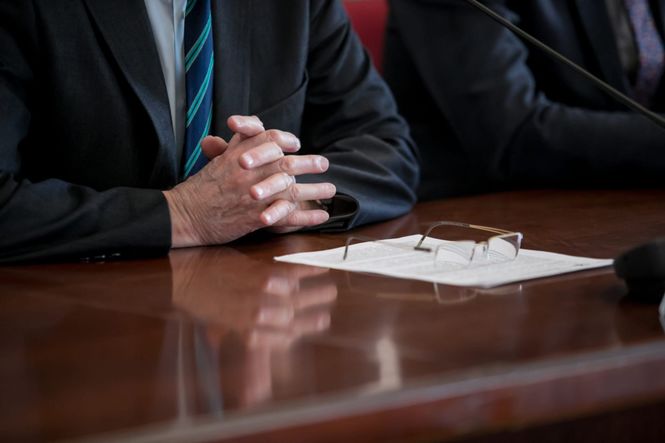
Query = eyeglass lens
x=496 y=249
x=504 y=247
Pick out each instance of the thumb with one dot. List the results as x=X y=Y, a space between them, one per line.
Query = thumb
x=213 y=146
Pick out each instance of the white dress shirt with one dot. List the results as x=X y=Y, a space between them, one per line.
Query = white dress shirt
x=167 y=18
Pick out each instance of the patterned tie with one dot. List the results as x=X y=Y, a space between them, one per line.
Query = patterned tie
x=199 y=63
x=650 y=49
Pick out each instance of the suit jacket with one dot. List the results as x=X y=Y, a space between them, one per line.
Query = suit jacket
x=488 y=113
x=86 y=142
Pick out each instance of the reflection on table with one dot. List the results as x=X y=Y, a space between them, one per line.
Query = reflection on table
x=222 y=344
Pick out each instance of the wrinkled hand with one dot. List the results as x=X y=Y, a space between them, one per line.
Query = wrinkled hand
x=249 y=184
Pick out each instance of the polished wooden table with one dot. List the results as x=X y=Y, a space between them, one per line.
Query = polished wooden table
x=223 y=344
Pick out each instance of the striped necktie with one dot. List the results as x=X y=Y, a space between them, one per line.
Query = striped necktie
x=199 y=64
x=650 y=49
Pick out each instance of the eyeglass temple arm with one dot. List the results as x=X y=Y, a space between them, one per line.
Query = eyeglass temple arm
x=351 y=240
x=376 y=240
x=458 y=224
x=357 y=238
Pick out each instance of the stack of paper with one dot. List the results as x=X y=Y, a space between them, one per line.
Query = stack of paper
x=397 y=258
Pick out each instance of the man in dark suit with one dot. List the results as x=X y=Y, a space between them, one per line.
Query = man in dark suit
x=92 y=110
x=489 y=113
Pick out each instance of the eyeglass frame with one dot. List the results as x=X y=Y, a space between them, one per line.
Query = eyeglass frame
x=500 y=233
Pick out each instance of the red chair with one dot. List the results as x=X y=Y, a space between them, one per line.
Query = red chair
x=368 y=18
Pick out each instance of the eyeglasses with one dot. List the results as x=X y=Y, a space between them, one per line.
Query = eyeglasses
x=502 y=247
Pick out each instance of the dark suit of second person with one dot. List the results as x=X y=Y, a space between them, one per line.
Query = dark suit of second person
x=490 y=113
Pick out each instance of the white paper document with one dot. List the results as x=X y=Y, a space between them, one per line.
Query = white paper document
x=397 y=258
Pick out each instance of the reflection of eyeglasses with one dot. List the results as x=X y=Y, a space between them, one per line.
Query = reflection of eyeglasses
x=423 y=292
x=504 y=246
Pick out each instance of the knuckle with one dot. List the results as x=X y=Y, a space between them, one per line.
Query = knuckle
x=287 y=180
x=289 y=207
x=313 y=164
x=294 y=219
x=273 y=135
x=300 y=218
x=308 y=219
x=289 y=164
x=268 y=150
x=295 y=192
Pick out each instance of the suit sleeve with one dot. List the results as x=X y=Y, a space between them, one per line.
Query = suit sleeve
x=477 y=74
x=351 y=118
x=52 y=219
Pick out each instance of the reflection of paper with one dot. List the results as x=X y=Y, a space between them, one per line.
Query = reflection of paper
x=397 y=258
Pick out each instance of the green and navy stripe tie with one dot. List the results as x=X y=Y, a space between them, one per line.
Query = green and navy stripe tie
x=199 y=68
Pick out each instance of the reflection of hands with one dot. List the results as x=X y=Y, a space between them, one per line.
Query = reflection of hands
x=248 y=184
x=269 y=305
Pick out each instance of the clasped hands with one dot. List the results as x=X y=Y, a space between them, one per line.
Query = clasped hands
x=249 y=184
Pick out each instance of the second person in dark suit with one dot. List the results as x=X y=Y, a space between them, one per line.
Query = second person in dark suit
x=490 y=113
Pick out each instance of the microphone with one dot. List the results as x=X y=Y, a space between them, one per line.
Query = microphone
x=643 y=269
x=609 y=89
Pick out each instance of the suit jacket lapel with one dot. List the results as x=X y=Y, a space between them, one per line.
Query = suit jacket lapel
x=125 y=27
x=596 y=23
x=232 y=41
